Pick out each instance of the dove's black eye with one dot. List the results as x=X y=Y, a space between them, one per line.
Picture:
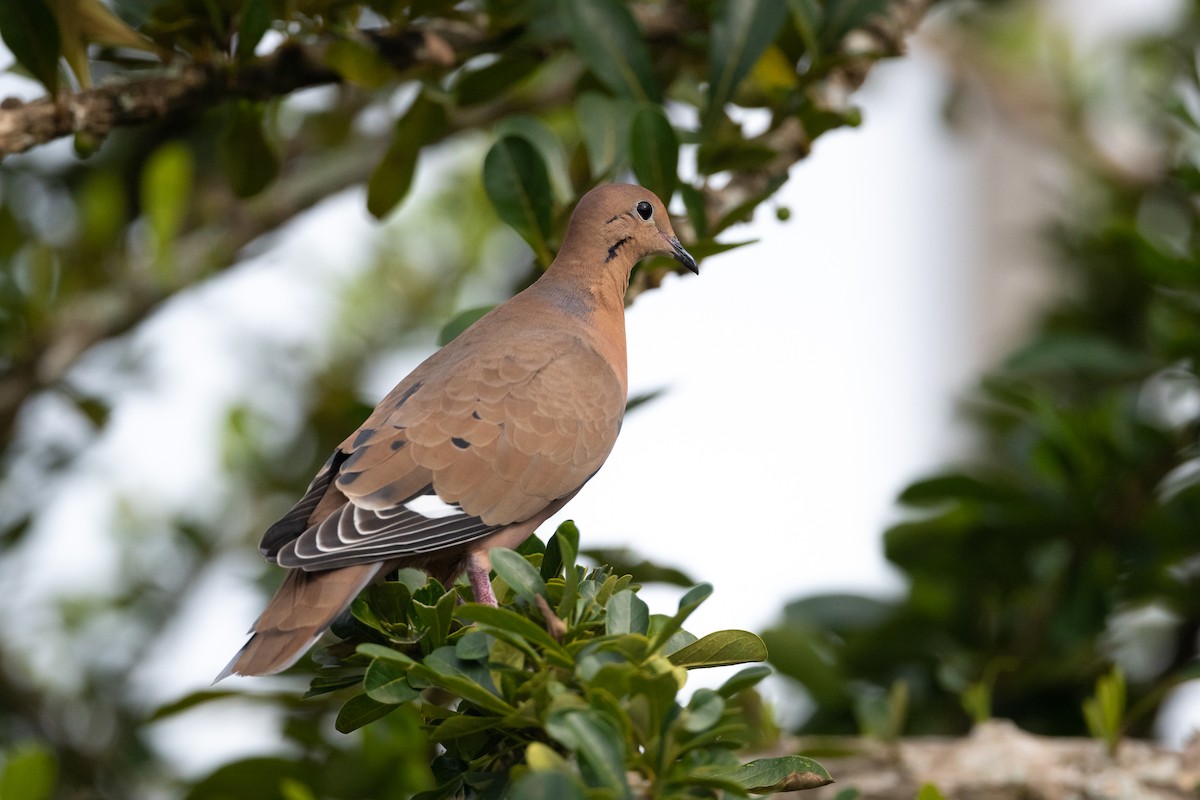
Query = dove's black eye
x=644 y=209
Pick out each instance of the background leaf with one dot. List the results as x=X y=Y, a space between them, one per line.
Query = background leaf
x=518 y=185
x=31 y=33
x=654 y=151
x=608 y=40
x=740 y=35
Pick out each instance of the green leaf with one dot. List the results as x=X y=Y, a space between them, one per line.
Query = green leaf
x=771 y=775
x=690 y=601
x=566 y=540
x=462 y=725
x=744 y=679
x=516 y=181
x=257 y=16
x=517 y=573
x=604 y=124
x=460 y=322
x=608 y=40
x=508 y=625
x=741 y=32
x=358 y=63
x=31 y=33
x=358 y=711
x=387 y=682
x=488 y=83
x=703 y=711
x=547 y=786
x=720 y=649
x=247 y=158
x=627 y=613
x=473 y=646
x=292 y=789
x=381 y=651
x=654 y=150
x=843 y=16
x=806 y=16
x=930 y=792
x=554 y=155
x=597 y=743
x=167 y=180
x=697 y=210
x=424 y=122
x=30 y=773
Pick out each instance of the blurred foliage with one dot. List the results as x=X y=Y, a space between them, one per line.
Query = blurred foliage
x=1068 y=543
x=511 y=109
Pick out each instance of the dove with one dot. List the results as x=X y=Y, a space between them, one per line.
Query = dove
x=477 y=446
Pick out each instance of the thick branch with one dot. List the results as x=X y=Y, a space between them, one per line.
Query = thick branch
x=191 y=87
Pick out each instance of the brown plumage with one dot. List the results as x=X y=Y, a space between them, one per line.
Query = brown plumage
x=479 y=445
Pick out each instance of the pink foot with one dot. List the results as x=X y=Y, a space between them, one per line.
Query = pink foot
x=481 y=587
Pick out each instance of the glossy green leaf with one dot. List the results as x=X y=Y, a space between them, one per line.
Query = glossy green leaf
x=257 y=16
x=720 y=649
x=29 y=772
x=770 y=775
x=31 y=33
x=473 y=646
x=248 y=160
x=387 y=682
x=741 y=32
x=517 y=183
x=627 y=613
x=508 y=623
x=703 y=711
x=690 y=601
x=597 y=743
x=424 y=122
x=554 y=155
x=654 y=151
x=358 y=711
x=608 y=40
x=744 y=679
x=464 y=725
x=604 y=124
x=518 y=573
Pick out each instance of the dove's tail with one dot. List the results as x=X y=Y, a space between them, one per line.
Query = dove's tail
x=306 y=604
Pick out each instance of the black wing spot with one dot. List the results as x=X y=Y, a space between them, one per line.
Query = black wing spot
x=475 y=415
x=460 y=443
x=363 y=436
x=398 y=443
x=408 y=393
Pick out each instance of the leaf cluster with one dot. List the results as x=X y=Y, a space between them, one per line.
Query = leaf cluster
x=568 y=689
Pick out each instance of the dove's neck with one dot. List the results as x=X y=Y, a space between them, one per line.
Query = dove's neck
x=594 y=295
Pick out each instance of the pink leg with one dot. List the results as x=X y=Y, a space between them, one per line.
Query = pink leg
x=481 y=587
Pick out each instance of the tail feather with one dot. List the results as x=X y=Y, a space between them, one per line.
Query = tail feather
x=304 y=606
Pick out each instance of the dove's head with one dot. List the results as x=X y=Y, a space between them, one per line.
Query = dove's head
x=625 y=222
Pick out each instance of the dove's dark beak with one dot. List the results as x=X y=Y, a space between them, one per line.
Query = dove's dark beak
x=681 y=255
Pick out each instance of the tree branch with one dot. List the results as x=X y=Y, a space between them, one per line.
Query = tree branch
x=190 y=87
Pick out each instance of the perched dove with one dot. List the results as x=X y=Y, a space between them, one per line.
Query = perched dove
x=479 y=445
